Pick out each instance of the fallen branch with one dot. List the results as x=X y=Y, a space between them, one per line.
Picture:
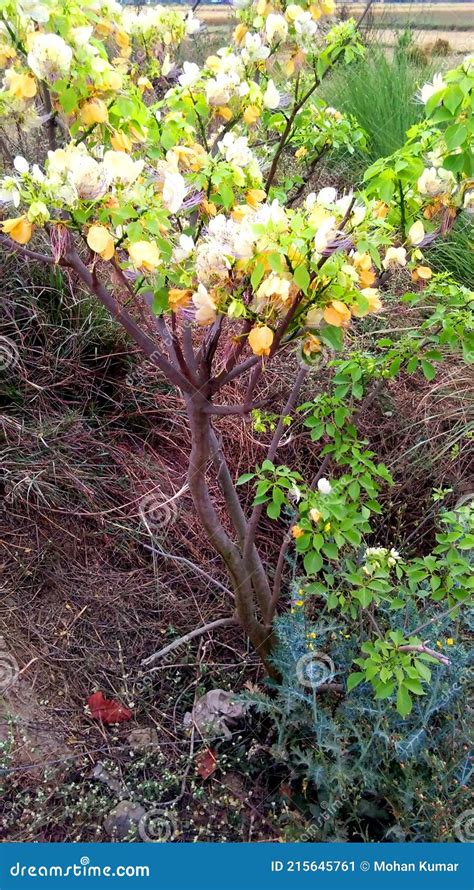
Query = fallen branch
x=197 y=632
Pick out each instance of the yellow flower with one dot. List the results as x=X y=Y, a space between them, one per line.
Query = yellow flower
x=6 y=53
x=209 y=208
x=311 y=635
x=144 y=84
x=251 y=115
x=224 y=112
x=296 y=531
x=179 y=298
x=144 y=255
x=301 y=152
x=315 y=12
x=123 y=42
x=439 y=644
x=311 y=344
x=94 y=112
x=23 y=86
x=260 y=339
x=371 y=294
x=254 y=197
x=421 y=273
x=416 y=232
x=314 y=515
x=239 y=33
x=112 y=80
x=121 y=142
x=327 y=527
x=20 y=229
x=337 y=314
x=299 y=603
x=327 y=6
x=100 y=241
x=450 y=641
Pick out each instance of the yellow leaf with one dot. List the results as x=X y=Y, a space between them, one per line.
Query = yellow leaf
x=179 y=298
x=121 y=142
x=100 y=241
x=254 y=197
x=94 y=112
x=251 y=115
x=144 y=255
x=260 y=340
x=337 y=314
x=20 y=229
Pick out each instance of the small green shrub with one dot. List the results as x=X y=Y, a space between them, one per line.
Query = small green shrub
x=380 y=93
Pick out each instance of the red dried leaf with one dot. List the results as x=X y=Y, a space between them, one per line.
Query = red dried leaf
x=206 y=763
x=107 y=710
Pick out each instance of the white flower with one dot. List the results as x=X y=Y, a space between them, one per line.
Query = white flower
x=235 y=149
x=34 y=10
x=435 y=181
x=325 y=233
x=271 y=96
x=416 y=233
x=276 y=26
x=205 y=306
x=88 y=179
x=49 y=57
x=192 y=24
x=395 y=256
x=9 y=191
x=21 y=165
x=184 y=249
x=217 y=91
x=468 y=203
x=327 y=195
x=121 y=168
x=190 y=75
x=82 y=35
x=254 y=50
x=174 y=191
x=429 y=89
x=295 y=494
x=324 y=486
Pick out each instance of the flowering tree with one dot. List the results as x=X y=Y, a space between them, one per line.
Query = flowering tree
x=164 y=188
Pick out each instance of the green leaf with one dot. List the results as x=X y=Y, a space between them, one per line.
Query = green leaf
x=313 y=562
x=429 y=370
x=245 y=477
x=384 y=690
x=354 y=679
x=414 y=686
x=301 y=277
x=257 y=275
x=364 y=597
x=273 y=510
x=404 y=702
x=455 y=136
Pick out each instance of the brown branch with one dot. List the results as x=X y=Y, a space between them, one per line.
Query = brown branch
x=422 y=647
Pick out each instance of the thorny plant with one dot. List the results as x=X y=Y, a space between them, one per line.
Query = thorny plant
x=161 y=193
